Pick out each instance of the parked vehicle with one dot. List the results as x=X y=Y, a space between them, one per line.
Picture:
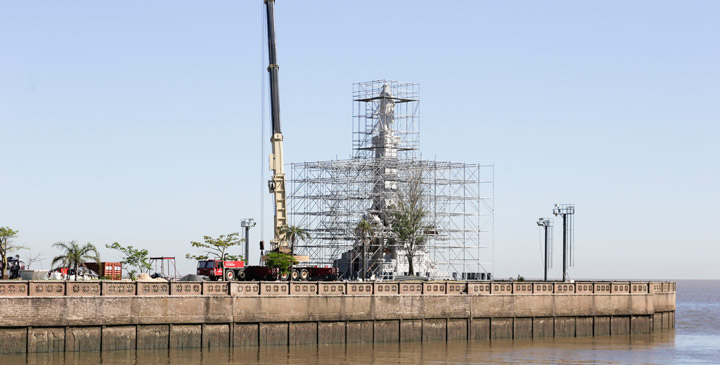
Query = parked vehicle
x=263 y=273
x=313 y=273
x=236 y=270
x=221 y=269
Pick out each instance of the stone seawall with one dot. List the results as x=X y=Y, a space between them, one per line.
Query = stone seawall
x=48 y=316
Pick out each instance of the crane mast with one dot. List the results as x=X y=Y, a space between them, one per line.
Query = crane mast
x=277 y=182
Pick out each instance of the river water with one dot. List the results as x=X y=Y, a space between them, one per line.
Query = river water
x=696 y=339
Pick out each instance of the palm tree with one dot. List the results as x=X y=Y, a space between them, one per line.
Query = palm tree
x=364 y=229
x=292 y=234
x=75 y=254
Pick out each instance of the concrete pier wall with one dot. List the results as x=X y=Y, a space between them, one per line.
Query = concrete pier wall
x=94 y=316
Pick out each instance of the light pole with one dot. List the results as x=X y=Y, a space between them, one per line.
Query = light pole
x=247 y=224
x=547 y=224
x=567 y=212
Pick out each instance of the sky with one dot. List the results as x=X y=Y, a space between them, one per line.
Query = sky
x=141 y=122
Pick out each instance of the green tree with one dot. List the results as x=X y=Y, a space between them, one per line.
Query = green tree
x=281 y=261
x=366 y=231
x=75 y=254
x=6 y=236
x=292 y=234
x=133 y=258
x=408 y=217
x=217 y=247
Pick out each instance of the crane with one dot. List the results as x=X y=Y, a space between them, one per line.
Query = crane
x=276 y=184
x=239 y=270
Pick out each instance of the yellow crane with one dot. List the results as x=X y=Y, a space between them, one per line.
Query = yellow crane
x=277 y=182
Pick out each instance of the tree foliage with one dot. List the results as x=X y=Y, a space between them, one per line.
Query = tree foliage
x=408 y=217
x=75 y=255
x=281 y=261
x=292 y=234
x=6 y=236
x=217 y=247
x=138 y=259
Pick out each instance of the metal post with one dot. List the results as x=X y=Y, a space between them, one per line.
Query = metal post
x=566 y=210
x=546 y=252
x=247 y=245
x=547 y=224
x=565 y=229
x=247 y=224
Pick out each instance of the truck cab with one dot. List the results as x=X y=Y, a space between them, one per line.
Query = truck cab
x=220 y=270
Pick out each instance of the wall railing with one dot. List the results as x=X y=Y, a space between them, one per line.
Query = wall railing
x=47 y=288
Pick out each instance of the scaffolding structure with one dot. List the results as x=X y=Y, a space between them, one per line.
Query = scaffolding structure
x=372 y=101
x=330 y=198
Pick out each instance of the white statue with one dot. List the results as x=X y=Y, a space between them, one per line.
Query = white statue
x=387 y=108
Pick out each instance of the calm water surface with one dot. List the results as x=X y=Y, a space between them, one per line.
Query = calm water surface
x=696 y=339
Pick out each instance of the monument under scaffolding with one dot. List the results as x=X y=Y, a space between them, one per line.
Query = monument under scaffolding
x=330 y=198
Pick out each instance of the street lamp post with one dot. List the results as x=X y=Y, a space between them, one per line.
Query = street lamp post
x=547 y=224
x=247 y=224
x=567 y=212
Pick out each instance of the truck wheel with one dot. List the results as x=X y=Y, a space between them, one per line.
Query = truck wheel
x=229 y=275
x=241 y=275
x=294 y=275
x=304 y=274
x=284 y=276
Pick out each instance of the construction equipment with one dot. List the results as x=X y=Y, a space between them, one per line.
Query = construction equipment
x=221 y=269
x=276 y=185
x=239 y=270
x=242 y=270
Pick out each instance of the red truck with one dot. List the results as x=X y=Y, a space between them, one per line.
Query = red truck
x=221 y=270
x=236 y=270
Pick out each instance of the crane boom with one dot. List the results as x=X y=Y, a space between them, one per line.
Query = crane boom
x=277 y=183
x=273 y=67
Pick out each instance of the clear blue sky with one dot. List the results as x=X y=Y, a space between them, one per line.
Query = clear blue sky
x=139 y=121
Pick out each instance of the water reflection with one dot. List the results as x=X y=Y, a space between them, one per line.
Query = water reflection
x=656 y=348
